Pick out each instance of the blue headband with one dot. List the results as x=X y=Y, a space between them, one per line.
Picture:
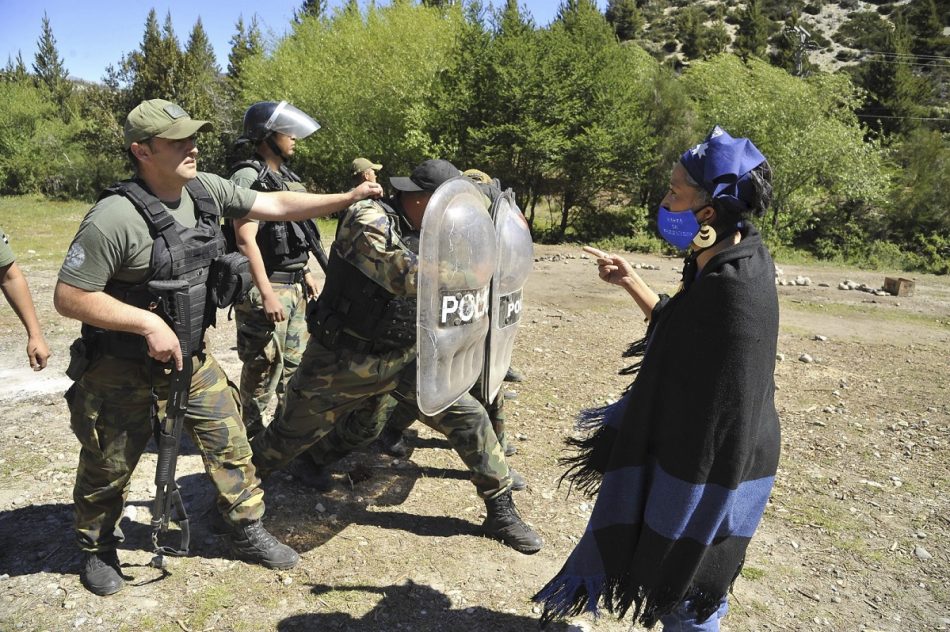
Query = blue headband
x=721 y=165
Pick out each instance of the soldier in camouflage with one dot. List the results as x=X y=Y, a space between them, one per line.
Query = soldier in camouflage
x=271 y=322
x=361 y=355
x=123 y=363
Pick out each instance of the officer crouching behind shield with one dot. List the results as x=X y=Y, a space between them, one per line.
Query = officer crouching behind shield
x=271 y=322
x=363 y=348
x=161 y=228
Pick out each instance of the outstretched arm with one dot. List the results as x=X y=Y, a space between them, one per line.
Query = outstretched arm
x=294 y=206
x=618 y=271
x=17 y=292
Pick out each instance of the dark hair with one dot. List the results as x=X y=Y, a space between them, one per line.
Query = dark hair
x=760 y=197
x=762 y=189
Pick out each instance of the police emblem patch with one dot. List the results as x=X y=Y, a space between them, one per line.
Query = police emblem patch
x=174 y=111
x=75 y=257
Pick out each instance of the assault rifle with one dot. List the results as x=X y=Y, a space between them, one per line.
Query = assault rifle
x=168 y=431
x=312 y=232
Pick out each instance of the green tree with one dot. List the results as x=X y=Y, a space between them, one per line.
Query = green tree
x=310 y=9
x=863 y=30
x=894 y=92
x=245 y=43
x=48 y=66
x=153 y=71
x=753 y=31
x=368 y=103
x=15 y=71
x=923 y=168
x=825 y=172
x=625 y=18
x=204 y=96
x=689 y=23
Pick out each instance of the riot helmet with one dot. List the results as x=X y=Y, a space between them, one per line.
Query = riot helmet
x=264 y=118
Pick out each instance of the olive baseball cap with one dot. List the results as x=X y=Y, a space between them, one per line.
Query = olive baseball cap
x=427 y=176
x=161 y=118
x=362 y=164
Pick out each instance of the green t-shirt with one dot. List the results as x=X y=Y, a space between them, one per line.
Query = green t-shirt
x=6 y=252
x=113 y=241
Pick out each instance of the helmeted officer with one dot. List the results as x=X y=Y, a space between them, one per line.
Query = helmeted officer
x=271 y=322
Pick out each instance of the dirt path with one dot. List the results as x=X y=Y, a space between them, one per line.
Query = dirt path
x=855 y=538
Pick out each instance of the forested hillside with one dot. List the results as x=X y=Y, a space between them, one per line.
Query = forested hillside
x=583 y=117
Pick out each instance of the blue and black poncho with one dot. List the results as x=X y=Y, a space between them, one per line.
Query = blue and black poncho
x=683 y=465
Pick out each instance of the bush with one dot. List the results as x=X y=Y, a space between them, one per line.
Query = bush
x=933 y=253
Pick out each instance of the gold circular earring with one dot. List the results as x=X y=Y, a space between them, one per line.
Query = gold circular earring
x=706 y=237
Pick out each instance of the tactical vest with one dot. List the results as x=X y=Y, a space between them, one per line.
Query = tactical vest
x=178 y=253
x=284 y=246
x=355 y=313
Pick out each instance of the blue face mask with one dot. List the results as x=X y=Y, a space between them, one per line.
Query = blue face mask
x=677 y=228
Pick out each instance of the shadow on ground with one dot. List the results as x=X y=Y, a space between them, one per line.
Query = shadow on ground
x=40 y=538
x=409 y=606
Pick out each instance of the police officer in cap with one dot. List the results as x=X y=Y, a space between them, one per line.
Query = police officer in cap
x=163 y=225
x=271 y=322
x=364 y=170
x=362 y=350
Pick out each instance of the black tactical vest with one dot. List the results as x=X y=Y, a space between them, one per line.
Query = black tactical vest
x=178 y=253
x=356 y=313
x=284 y=246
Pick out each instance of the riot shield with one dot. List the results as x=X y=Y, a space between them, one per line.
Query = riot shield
x=456 y=263
x=514 y=262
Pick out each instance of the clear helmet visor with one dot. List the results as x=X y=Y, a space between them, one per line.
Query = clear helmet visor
x=290 y=121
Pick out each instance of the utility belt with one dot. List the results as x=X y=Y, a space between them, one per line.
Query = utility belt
x=116 y=344
x=327 y=328
x=287 y=278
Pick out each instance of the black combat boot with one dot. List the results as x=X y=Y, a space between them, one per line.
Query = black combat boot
x=100 y=573
x=517 y=480
x=303 y=469
x=393 y=442
x=514 y=375
x=503 y=523
x=252 y=543
x=510 y=449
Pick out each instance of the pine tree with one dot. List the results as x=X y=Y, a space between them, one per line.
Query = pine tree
x=15 y=71
x=153 y=71
x=512 y=22
x=199 y=74
x=625 y=18
x=310 y=9
x=204 y=96
x=690 y=28
x=48 y=65
x=753 y=31
x=895 y=93
x=245 y=43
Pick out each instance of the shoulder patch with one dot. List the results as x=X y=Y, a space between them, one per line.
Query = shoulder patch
x=74 y=257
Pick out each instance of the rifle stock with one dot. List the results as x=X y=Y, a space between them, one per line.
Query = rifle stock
x=168 y=435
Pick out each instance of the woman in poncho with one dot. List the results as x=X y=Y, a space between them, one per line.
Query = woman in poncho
x=683 y=465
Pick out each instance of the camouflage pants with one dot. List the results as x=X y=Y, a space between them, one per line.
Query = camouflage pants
x=270 y=351
x=345 y=398
x=403 y=416
x=110 y=414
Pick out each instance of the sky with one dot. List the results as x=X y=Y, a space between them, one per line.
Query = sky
x=91 y=34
